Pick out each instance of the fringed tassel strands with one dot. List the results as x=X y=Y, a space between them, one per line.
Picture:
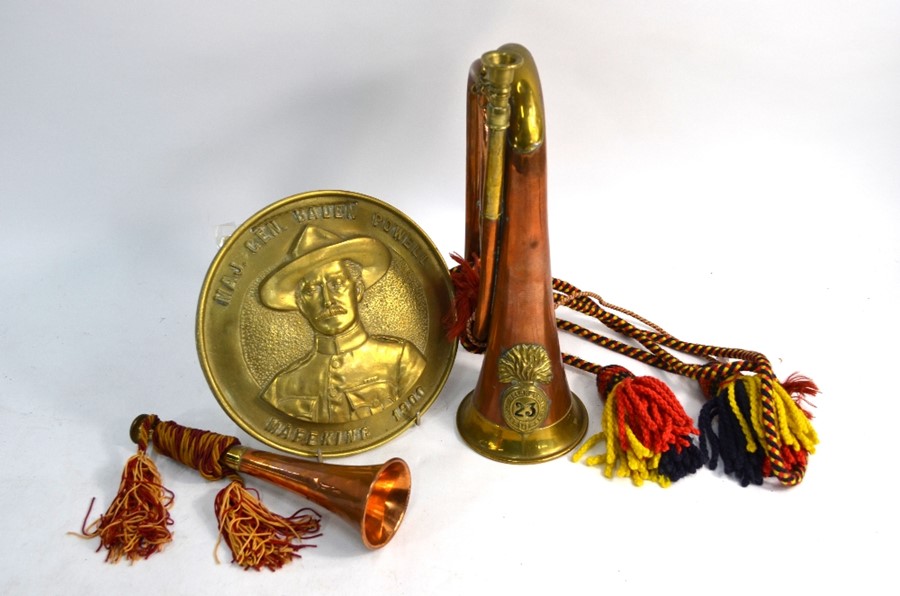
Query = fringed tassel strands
x=256 y=536
x=136 y=525
x=647 y=434
x=744 y=436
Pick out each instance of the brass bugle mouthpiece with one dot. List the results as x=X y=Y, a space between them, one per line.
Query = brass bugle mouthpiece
x=372 y=498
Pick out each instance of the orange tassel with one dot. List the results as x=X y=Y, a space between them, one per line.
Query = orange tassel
x=136 y=525
x=257 y=537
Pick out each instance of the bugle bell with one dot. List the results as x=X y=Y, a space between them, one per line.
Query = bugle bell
x=521 y=410
x=372 y=499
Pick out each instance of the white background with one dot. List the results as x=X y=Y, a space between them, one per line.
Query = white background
x=727 y=169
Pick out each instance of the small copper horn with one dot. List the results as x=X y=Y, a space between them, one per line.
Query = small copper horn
x=521 y=410
x=371 y=498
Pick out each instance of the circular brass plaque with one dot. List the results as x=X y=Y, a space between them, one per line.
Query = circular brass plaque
x=319 y=325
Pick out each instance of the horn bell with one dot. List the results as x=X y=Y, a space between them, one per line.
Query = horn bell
x=521 y=410
x=371 y=498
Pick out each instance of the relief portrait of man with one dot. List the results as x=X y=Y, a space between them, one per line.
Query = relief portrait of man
x=348 y=374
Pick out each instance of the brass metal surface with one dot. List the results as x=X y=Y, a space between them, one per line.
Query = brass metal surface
x=499 y=70
x=319 y=324
x=521 y=410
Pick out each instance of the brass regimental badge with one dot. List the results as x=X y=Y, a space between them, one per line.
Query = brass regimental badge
x=525 y=404
x=319 y=325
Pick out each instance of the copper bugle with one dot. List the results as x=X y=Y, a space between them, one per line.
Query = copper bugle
x=371 y=498
x=521 y=410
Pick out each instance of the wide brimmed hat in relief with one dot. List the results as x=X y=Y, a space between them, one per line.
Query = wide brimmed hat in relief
x=315 y=247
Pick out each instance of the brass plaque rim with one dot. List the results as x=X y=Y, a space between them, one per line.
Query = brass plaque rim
x=204 y=347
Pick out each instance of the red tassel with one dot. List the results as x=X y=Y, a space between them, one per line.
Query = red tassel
x=648 y=435
x=465 y=278
x=654 y=415
x=801 y=388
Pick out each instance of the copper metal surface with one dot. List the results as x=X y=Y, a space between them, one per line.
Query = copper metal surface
x=373 y=498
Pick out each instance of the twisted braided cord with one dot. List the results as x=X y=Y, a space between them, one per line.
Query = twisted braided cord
x=198 y=449
x=654 y=354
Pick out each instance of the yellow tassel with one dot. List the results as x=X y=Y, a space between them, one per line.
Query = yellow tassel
x=794 y=428
x=637 y=462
